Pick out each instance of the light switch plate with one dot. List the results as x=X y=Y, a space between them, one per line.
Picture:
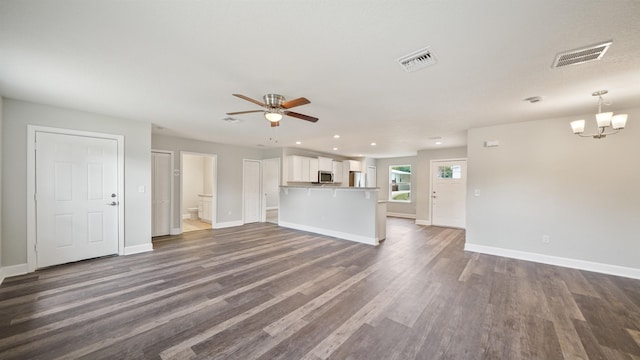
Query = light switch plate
x=141 y=188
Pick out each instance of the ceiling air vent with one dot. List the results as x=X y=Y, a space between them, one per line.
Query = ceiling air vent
x=417 y=60
x=580 y=56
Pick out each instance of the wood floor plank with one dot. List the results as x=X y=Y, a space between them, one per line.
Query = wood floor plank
x=263 y=292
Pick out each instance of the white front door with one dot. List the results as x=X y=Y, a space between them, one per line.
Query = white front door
x=161 y=193
x=449 y=193
x=251 y=191
x=76 y=198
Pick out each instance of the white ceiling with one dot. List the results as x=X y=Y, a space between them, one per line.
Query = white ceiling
x=176 y=63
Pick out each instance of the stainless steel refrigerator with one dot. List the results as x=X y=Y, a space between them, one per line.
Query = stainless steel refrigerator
x=357 y=179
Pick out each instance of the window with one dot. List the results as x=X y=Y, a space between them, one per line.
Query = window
x=449 y=172
x=400 y=183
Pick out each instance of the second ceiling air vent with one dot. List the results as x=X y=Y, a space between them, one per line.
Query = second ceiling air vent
x=417 y=60
x=581 y=56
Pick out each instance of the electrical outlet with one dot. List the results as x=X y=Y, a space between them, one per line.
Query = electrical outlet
x=545 y=239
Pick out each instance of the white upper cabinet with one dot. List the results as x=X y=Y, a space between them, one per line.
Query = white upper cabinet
x=313 y=170
x=325 y=164
x=354 y=165
x=337 y=168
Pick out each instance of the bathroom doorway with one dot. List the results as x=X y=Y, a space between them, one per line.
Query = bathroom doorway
x=198 y=191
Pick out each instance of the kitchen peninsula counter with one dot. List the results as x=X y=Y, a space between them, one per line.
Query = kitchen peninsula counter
x=349 y=213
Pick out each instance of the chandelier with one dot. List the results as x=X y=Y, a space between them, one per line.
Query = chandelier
x=605 y=120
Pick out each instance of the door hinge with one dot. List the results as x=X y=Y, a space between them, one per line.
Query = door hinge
x=35 y=196
x=35 y=247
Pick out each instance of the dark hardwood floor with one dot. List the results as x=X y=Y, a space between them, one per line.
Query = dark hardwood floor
x=264 y=292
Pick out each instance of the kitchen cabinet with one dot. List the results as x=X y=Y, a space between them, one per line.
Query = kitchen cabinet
x=354 y=165
x=325 y=164
x=313 y=170
x=301 y=169
x=337 y=168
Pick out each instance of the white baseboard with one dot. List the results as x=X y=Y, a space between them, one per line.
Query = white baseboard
x=423 y=222
x=272 y=208
x=556 y=260
x=227 y=224
x=136 y=249
x=401 y=215
x=185 y=216
x=336 y=234
x=12 y=270
x=175 y=231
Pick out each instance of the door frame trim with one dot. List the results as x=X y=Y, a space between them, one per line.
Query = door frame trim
x=171 y=184
x=31 y=184
x=431 y=183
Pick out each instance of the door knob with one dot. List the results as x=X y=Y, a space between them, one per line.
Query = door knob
x=113 y=203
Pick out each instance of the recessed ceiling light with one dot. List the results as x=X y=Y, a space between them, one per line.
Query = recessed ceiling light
x=335 y=148
x=373 y=144
x=336 y=136
x=298 y=142
x=438 y=142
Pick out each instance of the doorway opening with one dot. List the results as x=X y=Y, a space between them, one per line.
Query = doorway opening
x=198 y=191
x=271 y=189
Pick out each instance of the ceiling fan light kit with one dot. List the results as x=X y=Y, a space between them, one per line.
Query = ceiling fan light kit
x=275 y=107
x=604 y=120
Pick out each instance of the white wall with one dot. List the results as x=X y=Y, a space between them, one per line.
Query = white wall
x=192 y=181
x=542 y=179
x=382 y=171
x=207 y=174
x=17 y=115
x=229 y=172
x=1 y=152
x=423 y=177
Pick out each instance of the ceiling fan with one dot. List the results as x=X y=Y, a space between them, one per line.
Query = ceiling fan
x=275 y=107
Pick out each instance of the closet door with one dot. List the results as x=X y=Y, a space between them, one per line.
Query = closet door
x=161 y=203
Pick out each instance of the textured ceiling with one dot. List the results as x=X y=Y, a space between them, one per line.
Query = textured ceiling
x=176 y=63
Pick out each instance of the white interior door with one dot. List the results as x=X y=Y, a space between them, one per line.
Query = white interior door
x=76 y=198
x=372 y=176
x=449 y=193
x=251 y=191
x=161 y=193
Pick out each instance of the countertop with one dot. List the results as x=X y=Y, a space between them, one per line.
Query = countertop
x=330 y=187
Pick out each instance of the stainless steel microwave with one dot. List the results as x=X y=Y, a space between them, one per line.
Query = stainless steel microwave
x=325 y=177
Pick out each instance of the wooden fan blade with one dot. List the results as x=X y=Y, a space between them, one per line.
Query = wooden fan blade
x=301 y=116
x=274 y=124
x=295 y=102
x=249 y=99
x=244 y=112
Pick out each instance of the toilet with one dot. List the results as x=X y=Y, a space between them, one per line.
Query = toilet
x=193 y=213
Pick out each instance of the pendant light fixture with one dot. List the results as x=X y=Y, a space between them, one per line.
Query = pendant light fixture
x=605 y=120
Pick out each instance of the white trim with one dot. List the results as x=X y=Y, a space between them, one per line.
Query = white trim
x=401 y=215
x=185 y=216
x=228 y=224
x=137 y=249
x=556 y=260
x=423 y=222
x=12 y=270
x=31 y=184
x=171 y=155
x=337 y=234
x=175 y=231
